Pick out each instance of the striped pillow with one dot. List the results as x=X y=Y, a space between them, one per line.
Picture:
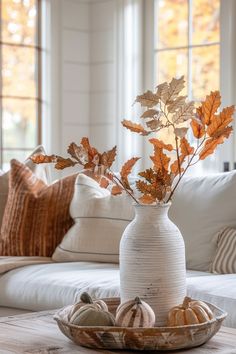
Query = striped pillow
x=36 y=216
x=225 y=258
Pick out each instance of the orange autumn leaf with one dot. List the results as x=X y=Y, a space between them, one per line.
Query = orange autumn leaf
x=210 y=146
x=221 y=121
x=108 y=157
x=116 y=190
x=160 y=160
x=210 y=106
x=185 y=147
x=41 y=158
x=160 y=144
x=198 y=129
x=148 y=174
x=127 y=167
x=77 y=152
x=143 y=187
x=62 y=163
x=104 y=183
x=147 y=199
x=134 y=127
x=91 y=151
x=174 y=167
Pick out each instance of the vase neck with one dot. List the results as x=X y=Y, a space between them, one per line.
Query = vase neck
x=152 y=213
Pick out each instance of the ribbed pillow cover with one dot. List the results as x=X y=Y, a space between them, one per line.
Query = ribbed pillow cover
x=41 y=171
x=36 y=216
x=100 y=219
x=224 y=261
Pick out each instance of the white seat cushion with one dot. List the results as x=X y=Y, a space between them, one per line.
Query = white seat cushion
x=202 y=206
x=54 y=285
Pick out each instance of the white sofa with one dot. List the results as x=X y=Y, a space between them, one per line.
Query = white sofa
x=201 y=207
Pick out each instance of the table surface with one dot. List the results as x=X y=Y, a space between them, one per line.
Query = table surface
x=38 y=333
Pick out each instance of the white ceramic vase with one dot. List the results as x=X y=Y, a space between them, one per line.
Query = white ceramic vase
x=152 y=261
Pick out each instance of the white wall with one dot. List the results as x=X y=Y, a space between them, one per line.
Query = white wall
x=82 y=68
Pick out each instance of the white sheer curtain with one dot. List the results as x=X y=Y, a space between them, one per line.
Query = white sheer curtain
x=129 y=75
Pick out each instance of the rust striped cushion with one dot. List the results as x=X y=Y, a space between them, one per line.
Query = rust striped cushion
x=36 y=216
x=225 y=258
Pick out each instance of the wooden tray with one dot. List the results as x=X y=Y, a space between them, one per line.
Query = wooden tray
x=156 y=338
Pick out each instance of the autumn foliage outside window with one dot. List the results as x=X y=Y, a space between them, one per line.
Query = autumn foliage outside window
x=20 y=58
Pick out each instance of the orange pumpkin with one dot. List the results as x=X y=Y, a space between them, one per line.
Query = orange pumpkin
x=190 y=312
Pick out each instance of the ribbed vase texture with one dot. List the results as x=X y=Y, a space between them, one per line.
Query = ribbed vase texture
x=152 y=261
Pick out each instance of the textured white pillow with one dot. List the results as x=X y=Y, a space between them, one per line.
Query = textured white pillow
x=100 y=220
x=202 y=206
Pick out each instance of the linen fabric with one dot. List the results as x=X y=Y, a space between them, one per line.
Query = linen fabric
x=224 y=261
x=41 y=171
x=36 y=216
x=201 y=207
x=100 y=220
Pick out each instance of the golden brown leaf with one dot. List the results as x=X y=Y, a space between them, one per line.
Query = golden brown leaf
x=148 y=174
x=91 y=151
x=150 y=113
x=104 y=183
x=127 y=167
x=180 y=132
x=108 y=157
x=198 y=129
x=162 y=91
x=221 y=121
x=134 y=127
x=116 y=190
x=148 y=99
x=64 y=163
x=175 y=86
x=174 y=167
x=154 y=124
x=160 y=160
x=210 y=146
x=147 y=199
x=210 y=106
x=41 y=158
x=176 y=104
x=184 y=113
x=77 y=152
x=143 y=187
x=160 y=144
x=185 y=147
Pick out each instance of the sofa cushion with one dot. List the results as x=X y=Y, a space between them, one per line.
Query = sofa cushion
x=201 y=207
x=224 y=261
x=36 y=216
x=100 y=220
x=41 y=171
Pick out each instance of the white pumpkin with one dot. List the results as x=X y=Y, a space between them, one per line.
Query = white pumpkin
x=135 y=313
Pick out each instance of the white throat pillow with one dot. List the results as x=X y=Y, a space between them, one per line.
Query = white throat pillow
x=100 y=220
x=202 y=206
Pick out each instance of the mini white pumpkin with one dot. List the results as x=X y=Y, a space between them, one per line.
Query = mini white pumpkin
x=135 y=313
x=85 y=299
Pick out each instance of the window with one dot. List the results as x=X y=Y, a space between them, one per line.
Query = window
x=20 y=59
x=187 y=42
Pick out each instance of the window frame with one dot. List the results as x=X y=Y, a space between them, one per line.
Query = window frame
x=38 y=98
x=227 y=79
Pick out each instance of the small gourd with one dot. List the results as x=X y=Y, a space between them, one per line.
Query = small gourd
x=91 y=313
x=190 y=312
x=85 y=299
x=135 y=313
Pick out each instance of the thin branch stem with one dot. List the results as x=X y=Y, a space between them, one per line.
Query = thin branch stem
x=124 y=187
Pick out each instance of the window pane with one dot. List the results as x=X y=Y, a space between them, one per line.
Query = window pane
x=19 y=24
x=13 y=154
x=172 y=23
x=19 y=123
x=18 y=71
x=172 y=63
x=206 y=21
x=205 y=76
